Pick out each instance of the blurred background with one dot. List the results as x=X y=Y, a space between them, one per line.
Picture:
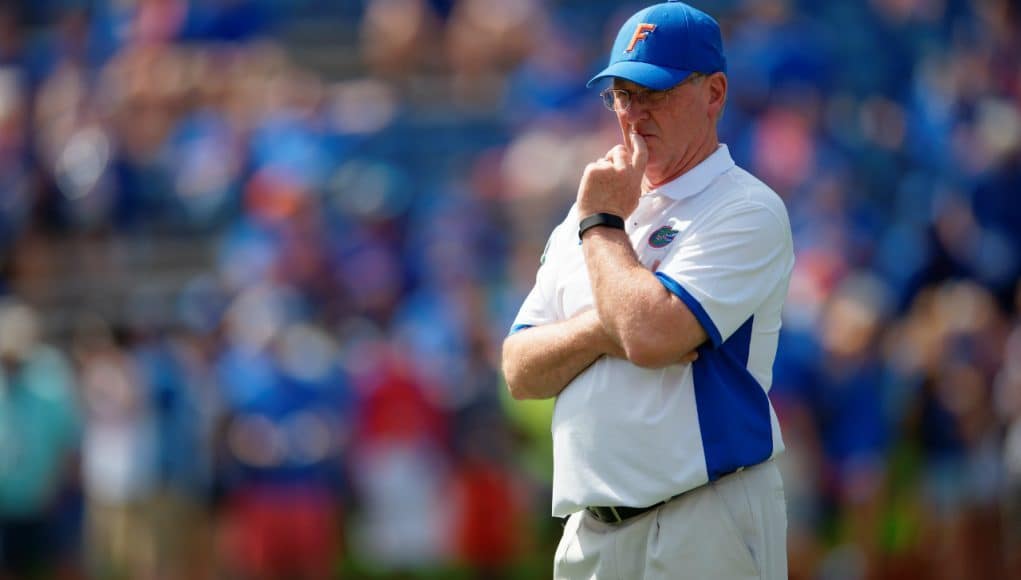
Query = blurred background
x=257 y=258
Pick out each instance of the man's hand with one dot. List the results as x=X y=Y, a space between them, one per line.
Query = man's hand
x=689 y=358
x=613 y=184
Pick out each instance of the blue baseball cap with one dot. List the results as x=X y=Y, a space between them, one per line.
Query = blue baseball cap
x=662 y=45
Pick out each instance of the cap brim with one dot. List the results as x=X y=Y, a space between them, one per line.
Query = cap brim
x=648 y=75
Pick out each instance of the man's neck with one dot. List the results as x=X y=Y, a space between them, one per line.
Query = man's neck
x=685 y=164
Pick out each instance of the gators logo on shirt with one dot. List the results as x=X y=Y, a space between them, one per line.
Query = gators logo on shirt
x=662 y=237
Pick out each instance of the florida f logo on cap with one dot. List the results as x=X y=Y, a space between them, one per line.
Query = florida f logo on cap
x=641 y=33
x=660 y=46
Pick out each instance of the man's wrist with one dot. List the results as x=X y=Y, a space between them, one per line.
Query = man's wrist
x=600 y=219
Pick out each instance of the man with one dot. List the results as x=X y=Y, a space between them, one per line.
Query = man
x=657 y=332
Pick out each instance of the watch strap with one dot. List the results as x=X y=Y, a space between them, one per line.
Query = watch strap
x=600 y=219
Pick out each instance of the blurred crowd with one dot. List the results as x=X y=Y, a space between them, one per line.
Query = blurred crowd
x=257 y=258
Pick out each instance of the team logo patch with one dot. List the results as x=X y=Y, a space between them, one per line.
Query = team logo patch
x=662 y=237
x=641 y=33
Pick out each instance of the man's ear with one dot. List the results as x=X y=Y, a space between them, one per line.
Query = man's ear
x=717 y=91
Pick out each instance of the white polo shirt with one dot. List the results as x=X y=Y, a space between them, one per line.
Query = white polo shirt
x=623 y=435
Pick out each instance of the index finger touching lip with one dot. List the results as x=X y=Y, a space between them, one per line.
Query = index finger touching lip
x=639 y=151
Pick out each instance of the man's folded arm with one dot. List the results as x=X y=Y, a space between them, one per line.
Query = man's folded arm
x=539 y=361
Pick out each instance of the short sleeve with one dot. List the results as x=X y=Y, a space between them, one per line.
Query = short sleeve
x=726 y=268
x=537 y=308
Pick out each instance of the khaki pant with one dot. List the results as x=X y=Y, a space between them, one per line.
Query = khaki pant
x=733 y=528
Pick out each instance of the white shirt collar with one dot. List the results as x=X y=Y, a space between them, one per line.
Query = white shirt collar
x=698 y=177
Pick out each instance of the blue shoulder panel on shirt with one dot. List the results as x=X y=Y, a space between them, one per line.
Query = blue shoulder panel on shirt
x=518 y=327
x=733 y=409
x=696 y=308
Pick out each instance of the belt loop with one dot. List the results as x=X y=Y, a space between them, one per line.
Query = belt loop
x=616 y=515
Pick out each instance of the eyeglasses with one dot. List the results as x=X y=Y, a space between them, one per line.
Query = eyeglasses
x=619 y=100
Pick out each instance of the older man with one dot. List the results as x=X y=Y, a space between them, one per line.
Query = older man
x=654 y=322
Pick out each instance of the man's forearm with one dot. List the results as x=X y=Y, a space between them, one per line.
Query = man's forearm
x=653 y=326
x=539 y=362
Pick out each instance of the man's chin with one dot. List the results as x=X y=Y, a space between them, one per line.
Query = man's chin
x=653 y=171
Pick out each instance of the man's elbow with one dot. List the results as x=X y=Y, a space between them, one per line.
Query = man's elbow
x=513 y=384
x=512 y=374
x=518 y=393
x=520 y=386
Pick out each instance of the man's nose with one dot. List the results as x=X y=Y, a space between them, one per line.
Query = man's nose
x=637 y=111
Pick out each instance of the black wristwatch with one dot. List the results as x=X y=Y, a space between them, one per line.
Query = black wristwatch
x=600 y=219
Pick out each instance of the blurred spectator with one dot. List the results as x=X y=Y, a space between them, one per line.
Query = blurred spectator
x=961 y=475
x=287 y=403
x=396 y=37
x=183 y=412
x=850 y=412
x=400 y=468
x=39 y=429
x=485 y=39
x=119 y=455
x=1007 y=396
